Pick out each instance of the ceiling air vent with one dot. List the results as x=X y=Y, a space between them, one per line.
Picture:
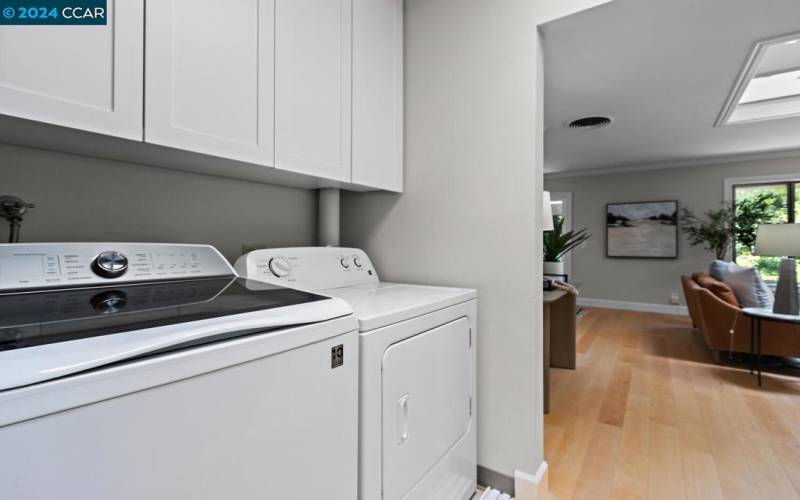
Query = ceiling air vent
x=589 y=122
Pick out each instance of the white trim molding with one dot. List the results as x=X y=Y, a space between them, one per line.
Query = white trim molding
x=729 y=182
x=531 y=487
x=746 y=75
x=690 y=162
x=634 y=306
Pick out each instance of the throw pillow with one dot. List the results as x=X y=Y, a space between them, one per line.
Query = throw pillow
x=718 y=288
x=717 y=269
x=750 y=289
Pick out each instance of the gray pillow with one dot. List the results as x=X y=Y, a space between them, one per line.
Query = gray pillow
x=749 y=288
x=717 y=269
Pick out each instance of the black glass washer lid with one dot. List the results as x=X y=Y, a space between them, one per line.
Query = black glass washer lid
x=46 y=317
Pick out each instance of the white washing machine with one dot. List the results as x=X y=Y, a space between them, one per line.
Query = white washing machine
x=134 y=371
x=417 y=410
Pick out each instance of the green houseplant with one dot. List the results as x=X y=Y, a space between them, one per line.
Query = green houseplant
x=720 y=228
x=557 y=244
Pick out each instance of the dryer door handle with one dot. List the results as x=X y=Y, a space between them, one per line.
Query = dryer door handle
x=402 y=419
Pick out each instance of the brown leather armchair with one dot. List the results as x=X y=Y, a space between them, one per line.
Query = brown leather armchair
x=724 y=327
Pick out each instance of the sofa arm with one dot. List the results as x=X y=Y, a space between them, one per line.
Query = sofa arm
x=719 y=320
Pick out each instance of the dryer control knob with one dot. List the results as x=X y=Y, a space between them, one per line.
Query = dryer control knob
x=357 y=261
x=110 y=265
x=280 y=267
x=345 y=262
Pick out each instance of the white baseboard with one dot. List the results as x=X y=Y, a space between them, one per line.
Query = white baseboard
x=531 y=487
x=634 y=306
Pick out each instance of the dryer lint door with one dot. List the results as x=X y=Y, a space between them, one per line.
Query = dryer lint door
x=427 y=403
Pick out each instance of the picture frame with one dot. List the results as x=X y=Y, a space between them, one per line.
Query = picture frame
x=642 y=230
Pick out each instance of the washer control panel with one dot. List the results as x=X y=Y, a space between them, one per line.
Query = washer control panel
x=46 y=265
x=308 y=268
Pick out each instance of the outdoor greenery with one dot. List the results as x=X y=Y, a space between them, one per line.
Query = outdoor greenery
x=775 y=212
x=558 y=243
x=719 y=230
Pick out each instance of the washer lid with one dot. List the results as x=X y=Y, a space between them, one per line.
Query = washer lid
x=383 y=304
x=50 y=334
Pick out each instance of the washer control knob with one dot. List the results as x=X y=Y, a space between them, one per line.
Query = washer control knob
x=280 y=267
x=357 y=261
x=110 y=264
x=345 y=262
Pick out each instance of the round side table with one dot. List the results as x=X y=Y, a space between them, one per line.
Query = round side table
x=756 y=316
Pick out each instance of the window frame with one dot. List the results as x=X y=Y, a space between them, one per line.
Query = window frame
x=790 y=181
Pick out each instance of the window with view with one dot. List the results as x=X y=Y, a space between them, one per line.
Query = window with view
x=779 y=203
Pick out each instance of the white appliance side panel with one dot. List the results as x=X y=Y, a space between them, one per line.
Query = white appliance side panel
x=257 y=430
x=427 y=403
x=308 y=268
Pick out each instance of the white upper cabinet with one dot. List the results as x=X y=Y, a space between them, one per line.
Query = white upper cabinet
x=83 y=77
x=378 y=94
x=210 y=77
x=313 y=66
x=312 y=87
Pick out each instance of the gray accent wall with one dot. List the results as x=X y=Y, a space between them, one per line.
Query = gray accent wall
x=643 y=280
x=89 y=199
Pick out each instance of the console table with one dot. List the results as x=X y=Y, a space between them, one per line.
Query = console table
x=559 y=335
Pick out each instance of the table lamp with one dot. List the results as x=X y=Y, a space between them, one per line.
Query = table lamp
x=547 y=212
x=782 y=240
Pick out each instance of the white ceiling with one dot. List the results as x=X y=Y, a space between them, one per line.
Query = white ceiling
x=662 y=69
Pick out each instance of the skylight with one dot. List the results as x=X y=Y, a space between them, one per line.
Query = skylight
x=776 y=86
x=769 y=86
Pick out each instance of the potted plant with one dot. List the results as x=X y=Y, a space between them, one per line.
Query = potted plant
x=557 y=244
x=720 y=228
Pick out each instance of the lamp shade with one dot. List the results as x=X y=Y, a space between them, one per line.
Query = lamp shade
x=778 y=240
x=547 y=212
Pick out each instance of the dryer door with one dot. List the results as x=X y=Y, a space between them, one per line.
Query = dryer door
x=426 y=403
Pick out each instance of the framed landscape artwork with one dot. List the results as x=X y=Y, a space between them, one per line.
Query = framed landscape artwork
x=644 y=230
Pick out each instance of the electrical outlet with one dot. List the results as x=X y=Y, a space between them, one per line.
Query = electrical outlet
x=675 y=299
x=249 y=247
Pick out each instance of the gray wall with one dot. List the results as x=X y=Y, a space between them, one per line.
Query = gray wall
x=648 y=281
x=472 y=201
x=89 y=199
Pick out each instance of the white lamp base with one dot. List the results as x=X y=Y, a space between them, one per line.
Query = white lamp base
x=786 y=296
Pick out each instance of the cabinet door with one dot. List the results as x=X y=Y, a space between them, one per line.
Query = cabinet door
x=313 y=87
x=210 y=77
x=378 y=93
x=84 y=77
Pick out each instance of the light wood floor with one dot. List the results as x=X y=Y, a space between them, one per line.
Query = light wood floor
x=648 y=414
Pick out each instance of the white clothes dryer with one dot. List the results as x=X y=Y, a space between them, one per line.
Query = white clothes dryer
x=417 y=380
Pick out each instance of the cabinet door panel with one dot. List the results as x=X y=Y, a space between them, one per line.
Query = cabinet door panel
x=210 y=67
x=313 y=87
x=83 y=77
x=378 y=93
